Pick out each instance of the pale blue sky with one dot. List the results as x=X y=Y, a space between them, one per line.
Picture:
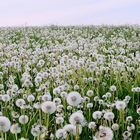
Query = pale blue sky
x=69 y=12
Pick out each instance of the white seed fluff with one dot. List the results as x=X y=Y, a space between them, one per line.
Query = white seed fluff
x=48 y=107
x=120 y=105
x=23 y=119
x=60 y=134
x=74 y=98
x=15 y=128
x=104 y=133
x=4 y=124
x=97 y=115
x=76 y=118
x=109 y=116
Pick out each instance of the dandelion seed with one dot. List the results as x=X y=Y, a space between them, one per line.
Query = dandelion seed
x=48 y=107
x=97 y=115
x=92 y=125
x=15 y=128
x=23 y=119
x=120 y=105
x=105 y=133
x=115 y=126
x=4 y=124
x=60 y=134
x=113 y=88
x=109 y=116
x=76 y=118
x=74 y=99
x=71 y=129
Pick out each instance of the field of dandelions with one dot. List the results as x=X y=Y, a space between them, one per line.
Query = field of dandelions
x=71 y=83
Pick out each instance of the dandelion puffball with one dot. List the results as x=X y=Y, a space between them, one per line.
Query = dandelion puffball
x=120 y=105
x=104 y=133
x=23 y=119
x=15 y=128
x=97 y=115
x=92 y=125
x=109 y=116
x=48 y=107
x=20 y=103
x=60 y=133
x=76 y=118
x=71 y=129
x=113 y=88
x=74 y=98
x=4 y=124
x=115 y=126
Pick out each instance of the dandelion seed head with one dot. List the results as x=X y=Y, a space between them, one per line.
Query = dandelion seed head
x=104 y=133
x=74 y=98
x=76 y=118
x=48 y=107
x=4 y=124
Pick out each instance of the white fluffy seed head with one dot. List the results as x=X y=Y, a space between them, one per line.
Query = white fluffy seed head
x=126 y=135
x=129 y=118
x=30 y=98
x=92 y=125
x=15 y=128
x=57 y=101
x=109 y=116
x=56 y=91
x=20 y=103
x=74 y=98
x=97 y=115
x=120 y=105
x=46 y=97
x=108 y=94
x=115 y=126
x=90 y=93
x=60 y=134
x=23 y=119
x=131 y=127
x=59 y=120
x=113 y=88
x=71 y=129
x=104 y=133
x=89 y=105
x=6 y=98
x=76 y=118
x=4 y=124
x=48 y=107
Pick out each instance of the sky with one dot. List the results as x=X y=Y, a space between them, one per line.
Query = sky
x=69 y=12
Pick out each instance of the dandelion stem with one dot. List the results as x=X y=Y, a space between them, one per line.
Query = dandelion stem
x=40 y=116
x=77 y=133
x=5 y=136
x=122 y=119
x=67 y=138
x=2 y=136
x=16 y=136
x=47 y=123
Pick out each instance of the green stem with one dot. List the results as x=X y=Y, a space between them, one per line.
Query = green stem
x=40 y=116
x=5 y=136
x=47 y=123
x=77 y=133
x=30 y=123
x=16 y=136
x=122 y=119
x=89 y=114
x=67 y=138
x=2 y=136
